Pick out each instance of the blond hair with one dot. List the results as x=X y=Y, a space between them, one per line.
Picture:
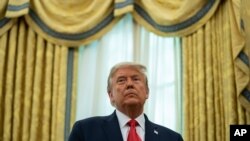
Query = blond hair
x=141 y=68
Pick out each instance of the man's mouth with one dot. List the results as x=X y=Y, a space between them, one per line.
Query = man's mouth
x=130 y=93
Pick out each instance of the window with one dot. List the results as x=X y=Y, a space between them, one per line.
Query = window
x=127 y=41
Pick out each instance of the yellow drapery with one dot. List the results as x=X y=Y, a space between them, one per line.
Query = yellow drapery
x=61 y=24
x=174 y=18
x=77 y=22
x=211 y=78
x=32 y=87
x=242 y=61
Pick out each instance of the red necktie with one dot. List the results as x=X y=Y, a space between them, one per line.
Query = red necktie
x=132 y=135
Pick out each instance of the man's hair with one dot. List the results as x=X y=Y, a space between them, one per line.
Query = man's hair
x=141 y=68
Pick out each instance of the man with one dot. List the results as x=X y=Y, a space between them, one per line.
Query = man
x=128 y=90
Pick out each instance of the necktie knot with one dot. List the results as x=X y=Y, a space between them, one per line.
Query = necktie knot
x=132 y=123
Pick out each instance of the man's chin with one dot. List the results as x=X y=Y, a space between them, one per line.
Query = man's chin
x=132 y=101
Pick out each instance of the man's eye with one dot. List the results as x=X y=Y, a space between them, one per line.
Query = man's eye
x=136 y=79
x=120 y=80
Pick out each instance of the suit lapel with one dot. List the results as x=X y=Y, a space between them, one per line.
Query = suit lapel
x=113 y=132
x=151 y=131
x=112 y=129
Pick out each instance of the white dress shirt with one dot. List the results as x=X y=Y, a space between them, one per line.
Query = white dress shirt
x=124 y=119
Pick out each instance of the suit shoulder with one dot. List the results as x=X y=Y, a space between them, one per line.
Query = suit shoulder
x=82 y=129
x=167 y=132
x=91 y=120
x=163 y=128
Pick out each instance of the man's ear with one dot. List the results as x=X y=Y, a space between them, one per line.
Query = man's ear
x=111 y=98
x=109 y=93
x=147 y=93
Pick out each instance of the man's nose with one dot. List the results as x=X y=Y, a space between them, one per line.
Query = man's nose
x=130 y=83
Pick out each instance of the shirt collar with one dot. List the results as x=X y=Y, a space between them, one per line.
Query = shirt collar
x=123 y=119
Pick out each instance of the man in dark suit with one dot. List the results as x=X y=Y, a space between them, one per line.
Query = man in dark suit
x=128 y=90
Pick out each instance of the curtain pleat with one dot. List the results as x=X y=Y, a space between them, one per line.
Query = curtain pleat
x=47 y=100
x=195 y=89
x=9 y=85
x=3 y=54
x=201 y=83
x=218 y=100
x=227 y=72
x=37 y=90
x=55 y=96
x=209 y=97
x=60 y=112
x=19 y=85
x=28 y=83
x=187 y=82
x=74 y=88
x=55 y=82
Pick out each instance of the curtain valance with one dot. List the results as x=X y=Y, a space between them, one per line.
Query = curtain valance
x=77 y=22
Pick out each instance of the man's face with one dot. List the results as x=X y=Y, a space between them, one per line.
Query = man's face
x=128 y=88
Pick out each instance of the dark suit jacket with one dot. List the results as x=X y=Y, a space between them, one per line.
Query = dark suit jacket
x=107 y=129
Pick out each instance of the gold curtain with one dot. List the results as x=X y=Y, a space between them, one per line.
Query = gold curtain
x=69 y=23
x=211 y=78
x=36 y=37
x=88 y=20
x=32 y=86
x=173 y=18
x=243 y=61
x=58 y=22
